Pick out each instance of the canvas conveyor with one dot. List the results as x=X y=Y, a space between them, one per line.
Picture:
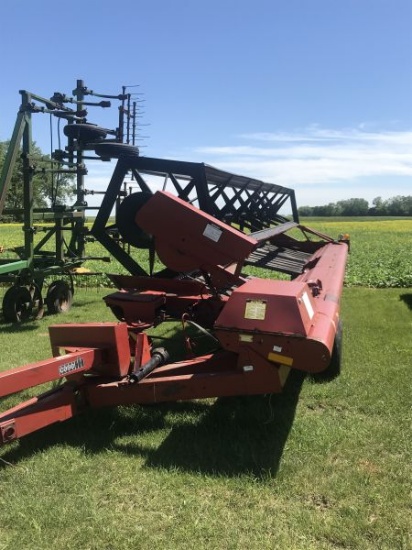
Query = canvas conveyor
x=279 y=259
x=279 y=252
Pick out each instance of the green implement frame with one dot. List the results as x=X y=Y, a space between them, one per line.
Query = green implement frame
x=55 y=254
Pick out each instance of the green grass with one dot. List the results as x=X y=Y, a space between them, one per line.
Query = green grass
x=324 y=465
x=321 y=466
x=380 y=251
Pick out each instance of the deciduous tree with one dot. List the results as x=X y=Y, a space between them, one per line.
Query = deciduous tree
x=47 y=188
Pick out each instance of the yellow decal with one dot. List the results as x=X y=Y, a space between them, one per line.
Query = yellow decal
x=282 y=359
x=245 y=337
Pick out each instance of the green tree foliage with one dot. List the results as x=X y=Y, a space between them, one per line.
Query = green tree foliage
x=47 y=189
x=353 y=207
x=395 y=206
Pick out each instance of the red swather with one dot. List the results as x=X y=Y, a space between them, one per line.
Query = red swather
x=260 y=328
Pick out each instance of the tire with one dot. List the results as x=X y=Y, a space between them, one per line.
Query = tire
x=112 y=149
x=126 y=224
x=85 y=132
x=36 y=302
x=17 y=304
x=59 y=297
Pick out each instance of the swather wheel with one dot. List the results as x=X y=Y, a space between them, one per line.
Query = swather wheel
x=125 y=220
x=59 y=297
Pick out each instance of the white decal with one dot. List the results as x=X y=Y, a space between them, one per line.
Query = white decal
x=308 y=305
x=212 y=232
x=67 y=368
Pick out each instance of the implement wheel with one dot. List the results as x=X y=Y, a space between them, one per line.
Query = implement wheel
x=59 y=297
x=126 y=225
x=37 y=305
x=85 y=132
x=17 y=304
x=115 y=150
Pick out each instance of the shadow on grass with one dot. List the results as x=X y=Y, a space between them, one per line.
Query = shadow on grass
x=31 y=323
x=13 y=328
x=239 y=435
x=232 y=436
x=407 y=298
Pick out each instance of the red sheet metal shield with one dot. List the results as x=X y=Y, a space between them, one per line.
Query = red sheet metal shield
x=187 y=238
x=112 y=338
x=265 y=306
x=291 y=323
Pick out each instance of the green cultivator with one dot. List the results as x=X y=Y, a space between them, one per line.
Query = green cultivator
x=51 y=251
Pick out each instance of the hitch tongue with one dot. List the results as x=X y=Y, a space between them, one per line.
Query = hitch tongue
x=160 y=356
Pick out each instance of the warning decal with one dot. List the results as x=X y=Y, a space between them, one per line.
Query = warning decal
x=255 y=309
x=212 y=232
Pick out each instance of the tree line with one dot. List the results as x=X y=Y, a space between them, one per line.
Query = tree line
x=395 y=206
x=48 y=189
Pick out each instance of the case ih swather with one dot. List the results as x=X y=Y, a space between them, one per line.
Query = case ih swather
x=258 y=328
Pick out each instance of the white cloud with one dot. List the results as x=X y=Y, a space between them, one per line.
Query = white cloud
x=322 y=165
x=319 y=155
x=334 y=159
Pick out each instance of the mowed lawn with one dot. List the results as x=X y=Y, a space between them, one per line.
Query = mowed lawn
x=325 y=465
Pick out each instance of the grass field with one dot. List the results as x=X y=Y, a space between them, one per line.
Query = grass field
x=322 y=466
x=380 y=253
x=381 y=249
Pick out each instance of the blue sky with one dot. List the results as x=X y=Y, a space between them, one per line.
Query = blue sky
x=311 y=94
